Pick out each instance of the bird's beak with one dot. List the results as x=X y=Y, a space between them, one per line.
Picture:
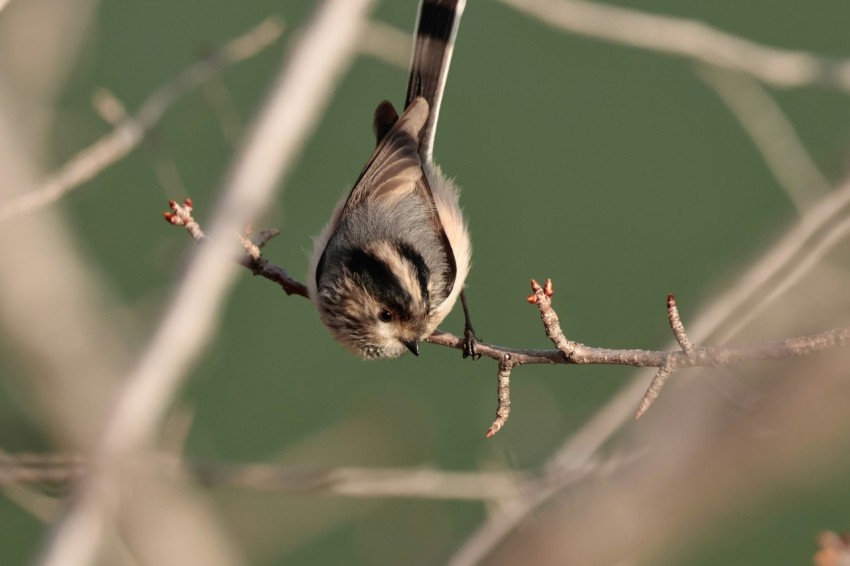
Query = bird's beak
x=412 y=345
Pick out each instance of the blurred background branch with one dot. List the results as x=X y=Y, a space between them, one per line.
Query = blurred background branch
x=692 y=39
x=663 y=191
x=64 y=470
x=766 y=124
x=130 y=132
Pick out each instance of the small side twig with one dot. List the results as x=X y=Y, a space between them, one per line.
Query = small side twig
x=181 y=215
x=653 y=390
x=677 y=326
x=671 y=365
x=542 y=297
x=504 y=396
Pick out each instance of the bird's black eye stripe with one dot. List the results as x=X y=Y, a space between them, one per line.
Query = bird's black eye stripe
x=378 y=280
x=406 y=251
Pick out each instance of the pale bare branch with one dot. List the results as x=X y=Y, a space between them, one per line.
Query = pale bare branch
x=691 y=39
x=417 y=483
x=304 y=86
x=127 y=136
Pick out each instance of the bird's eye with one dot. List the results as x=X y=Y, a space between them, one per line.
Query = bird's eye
x=385 y=315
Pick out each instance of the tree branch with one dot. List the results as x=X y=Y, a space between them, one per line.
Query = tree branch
x=569 y=351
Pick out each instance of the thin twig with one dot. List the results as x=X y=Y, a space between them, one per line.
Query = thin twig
x=117 y=144
x=252 y=250
x=691 y=39
x=181 y=215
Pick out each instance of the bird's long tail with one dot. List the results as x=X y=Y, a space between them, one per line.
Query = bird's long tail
x=436 y=29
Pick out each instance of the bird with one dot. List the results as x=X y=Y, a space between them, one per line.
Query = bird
x=391 y=263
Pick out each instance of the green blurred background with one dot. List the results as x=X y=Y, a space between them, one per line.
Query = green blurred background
x=616 y=172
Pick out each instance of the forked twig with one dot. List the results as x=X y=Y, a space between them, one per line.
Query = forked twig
x=667 y=369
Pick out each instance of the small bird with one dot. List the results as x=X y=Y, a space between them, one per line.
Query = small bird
x=392 y=261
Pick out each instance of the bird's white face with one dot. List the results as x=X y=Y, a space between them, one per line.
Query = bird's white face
x=378 y=303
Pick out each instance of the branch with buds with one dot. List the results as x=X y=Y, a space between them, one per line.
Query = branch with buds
x=181 y=215
x=566 y=351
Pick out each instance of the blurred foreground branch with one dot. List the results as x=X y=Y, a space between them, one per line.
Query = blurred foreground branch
x=321 y=55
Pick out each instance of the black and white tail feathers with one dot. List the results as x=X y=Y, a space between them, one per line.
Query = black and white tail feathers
x=436 y=28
